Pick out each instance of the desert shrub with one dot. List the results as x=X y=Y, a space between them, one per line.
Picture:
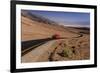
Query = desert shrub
x=67 y=52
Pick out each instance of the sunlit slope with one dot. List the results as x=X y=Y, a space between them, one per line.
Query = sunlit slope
x=36 y=28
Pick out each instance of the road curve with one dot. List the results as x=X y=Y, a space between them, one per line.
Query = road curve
x=42 y=51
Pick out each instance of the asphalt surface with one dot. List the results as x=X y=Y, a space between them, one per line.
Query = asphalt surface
x=27 y=46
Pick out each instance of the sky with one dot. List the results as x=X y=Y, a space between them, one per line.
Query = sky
x=66 y=18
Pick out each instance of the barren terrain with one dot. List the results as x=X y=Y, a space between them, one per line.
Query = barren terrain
x=74 y=44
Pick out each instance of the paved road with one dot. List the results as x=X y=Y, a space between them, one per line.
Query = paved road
x=40 y=53
x=27 y=46
x=41 y=49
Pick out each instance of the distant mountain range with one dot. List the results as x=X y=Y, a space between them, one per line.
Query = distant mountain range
x=38 y=18
x=41 y=19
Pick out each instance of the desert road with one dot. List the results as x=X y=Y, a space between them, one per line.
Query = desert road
x=42 y=53
x=44 y=49
x=27 y=46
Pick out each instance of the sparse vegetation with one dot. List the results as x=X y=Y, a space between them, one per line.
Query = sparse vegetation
x=74 y=47
x=67 y=51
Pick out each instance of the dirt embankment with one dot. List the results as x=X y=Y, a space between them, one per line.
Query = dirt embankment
x=35 y=30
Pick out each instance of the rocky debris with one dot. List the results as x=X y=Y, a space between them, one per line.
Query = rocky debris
x=75 y=51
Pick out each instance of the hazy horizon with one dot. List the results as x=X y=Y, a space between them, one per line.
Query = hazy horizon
x=77 y=19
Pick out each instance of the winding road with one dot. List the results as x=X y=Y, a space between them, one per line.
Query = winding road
x=34 y=50
x=27 y=46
